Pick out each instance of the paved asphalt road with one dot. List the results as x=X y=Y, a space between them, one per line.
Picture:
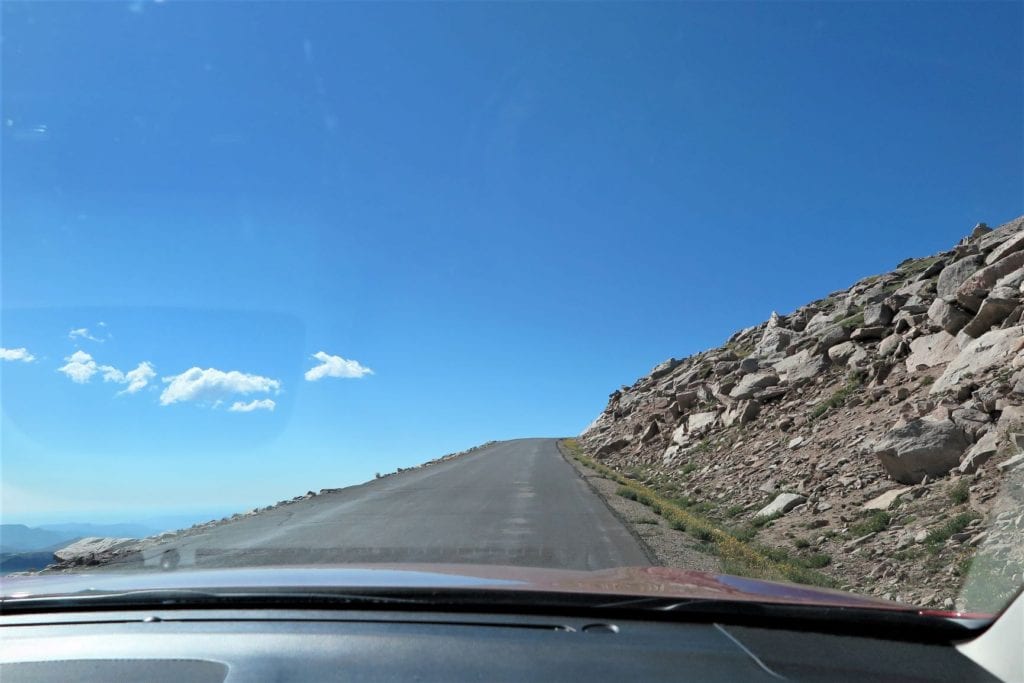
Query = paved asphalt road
x=512 y=503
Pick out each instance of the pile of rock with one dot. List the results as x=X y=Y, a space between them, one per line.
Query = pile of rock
x=913 y=378
x=92 y=550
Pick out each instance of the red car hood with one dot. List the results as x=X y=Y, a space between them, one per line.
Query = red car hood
x=663 y=582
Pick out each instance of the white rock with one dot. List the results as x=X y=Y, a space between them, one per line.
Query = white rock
x=931 y=350
x=752 y=383
x=801 y=366
x=841 y=353
x=783 y=503
x=679 y=434
x=980 y=453
x=1014 y=462
x=87 y=547
x=1013 y=244
x=885 y=501
x=992 y=349
x=700 y=422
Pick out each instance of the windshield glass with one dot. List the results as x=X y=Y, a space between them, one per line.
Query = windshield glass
x=722 y=292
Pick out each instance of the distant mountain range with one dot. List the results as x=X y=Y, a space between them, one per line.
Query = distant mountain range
x=24 y=548
x=19 y=538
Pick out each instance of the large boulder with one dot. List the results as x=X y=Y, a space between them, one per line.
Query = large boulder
x=1013 y=280
x=974 y=289
x=990 y=242
x=613 y=445
x=743 y=412
x=662 y=369
x=686 y=399
x=931 y=350
x=699 y=423
x=847 y=353
x=996 y=307
x=864 y=334
x=752 y=383
x=889 y=345
x=774 y=339
x=819 y=322
x=949 y=317
x=801 y=367
x=980 y=453
x=953 y=275
x=1011 y=246
x=992 y=349
x=877 y=314
x=836 y=334
x=921 y=448
x=91 y=549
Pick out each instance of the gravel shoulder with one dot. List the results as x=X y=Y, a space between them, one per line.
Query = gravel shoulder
x=664 y=545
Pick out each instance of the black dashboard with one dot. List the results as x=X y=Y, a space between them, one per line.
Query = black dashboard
x=301 y=645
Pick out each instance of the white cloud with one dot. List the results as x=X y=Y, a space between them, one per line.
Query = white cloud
x=210 y=385
x=83 y=333
x=138 y=378
x=335 y=366
x=80 y=367
x=21 y=354
x=135 y=379
x=255 y=404
x=111 y=374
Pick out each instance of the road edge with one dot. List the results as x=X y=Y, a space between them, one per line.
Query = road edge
x=582 y=471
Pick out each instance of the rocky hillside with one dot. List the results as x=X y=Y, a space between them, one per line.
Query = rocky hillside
x=878 y=430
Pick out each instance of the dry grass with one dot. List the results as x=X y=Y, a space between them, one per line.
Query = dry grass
x=738 y=556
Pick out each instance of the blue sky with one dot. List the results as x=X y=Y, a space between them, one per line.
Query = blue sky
x=504 y=211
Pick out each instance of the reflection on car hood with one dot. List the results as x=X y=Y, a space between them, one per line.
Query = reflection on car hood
x=660 y=582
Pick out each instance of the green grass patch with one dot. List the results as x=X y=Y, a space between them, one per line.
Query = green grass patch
x=741 y=350
x=737 y=555
x=916 y=266
x=626 y=492
x=838 y=399
x=938 y=536
x=701 y=507
x=854 y=321
x=816 y=560
x=734 y=511
x=745 y=533
x=960 y=492
x=762 y=521
x=875 y=521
